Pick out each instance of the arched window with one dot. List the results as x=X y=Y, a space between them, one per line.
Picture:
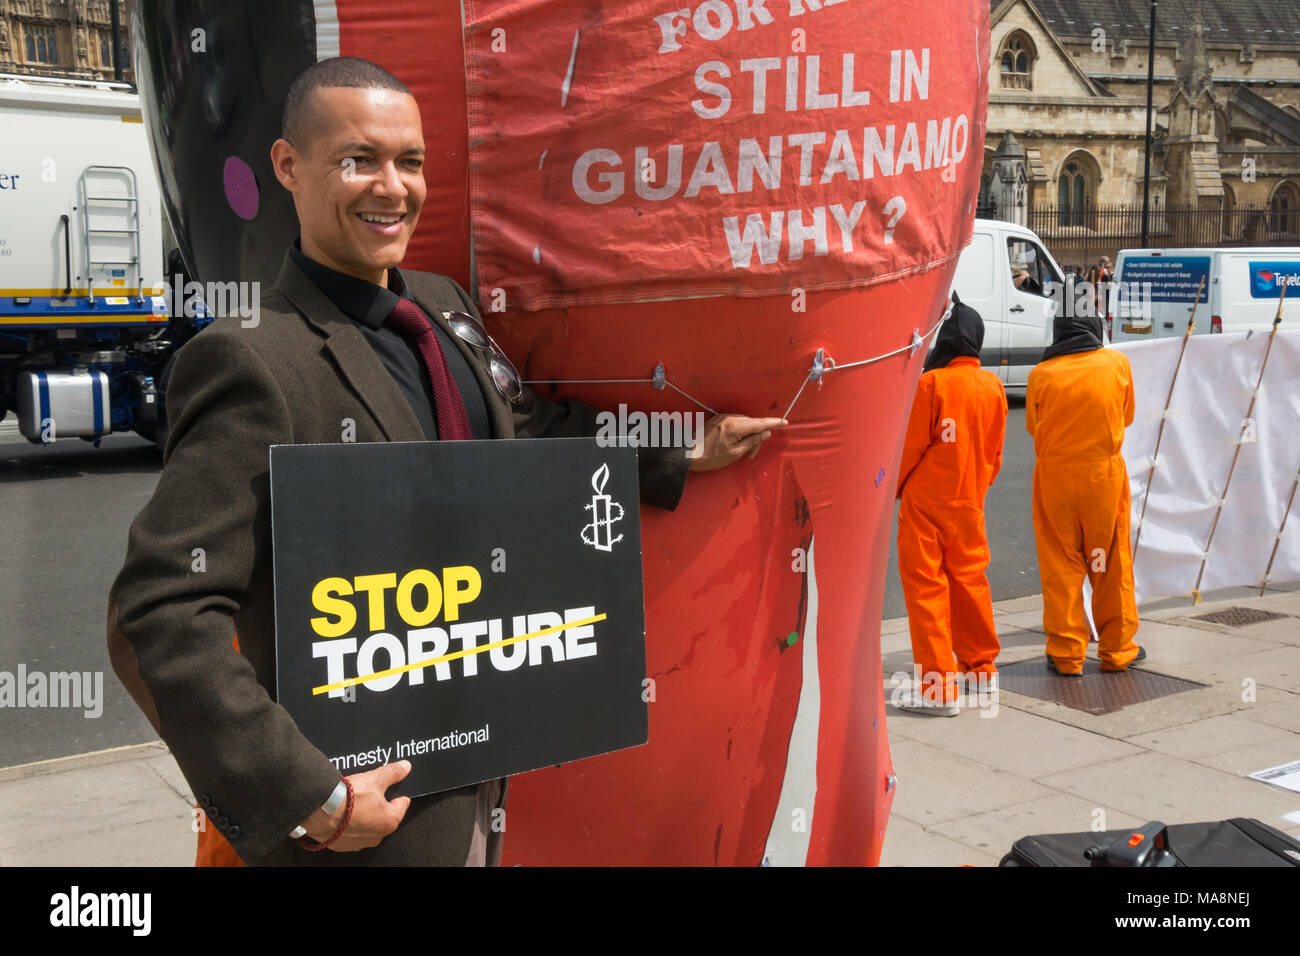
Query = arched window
x=40 y=45
x=1073 y=194
x=1284 y=210
x=1016 y=61
x=1231 y=225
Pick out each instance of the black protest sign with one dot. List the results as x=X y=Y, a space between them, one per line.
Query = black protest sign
x=472 y=607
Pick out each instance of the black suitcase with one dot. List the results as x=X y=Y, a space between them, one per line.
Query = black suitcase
x=1236 y=842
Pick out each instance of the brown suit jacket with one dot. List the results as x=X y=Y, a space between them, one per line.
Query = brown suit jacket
x=198 y=564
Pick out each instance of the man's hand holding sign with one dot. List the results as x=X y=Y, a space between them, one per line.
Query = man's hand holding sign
x=373 y=817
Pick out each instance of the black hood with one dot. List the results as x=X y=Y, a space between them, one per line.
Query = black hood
x=1074 y=333
x=962 y=334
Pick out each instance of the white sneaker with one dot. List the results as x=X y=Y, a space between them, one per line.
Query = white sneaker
x=914 y=702
x=987 y=687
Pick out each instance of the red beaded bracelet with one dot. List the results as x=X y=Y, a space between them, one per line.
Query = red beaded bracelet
x=307 y=843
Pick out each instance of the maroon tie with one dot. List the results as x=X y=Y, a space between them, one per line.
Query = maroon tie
x=409 y=319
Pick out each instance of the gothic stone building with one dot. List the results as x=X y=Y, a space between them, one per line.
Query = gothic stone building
x=66 y=38
x=1067 y=120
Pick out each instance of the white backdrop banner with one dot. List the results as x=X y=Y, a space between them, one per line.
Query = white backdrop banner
x=1178 y=540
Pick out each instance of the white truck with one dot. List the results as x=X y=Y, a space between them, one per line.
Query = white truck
x=85 y=333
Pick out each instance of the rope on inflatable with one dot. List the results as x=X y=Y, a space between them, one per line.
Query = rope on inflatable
x=822 y=365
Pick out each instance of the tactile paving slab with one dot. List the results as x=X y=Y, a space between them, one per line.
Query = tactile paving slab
x=1238 y=616
x=1096 y=692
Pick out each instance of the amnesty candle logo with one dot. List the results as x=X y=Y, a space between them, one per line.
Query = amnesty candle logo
x=604 y=512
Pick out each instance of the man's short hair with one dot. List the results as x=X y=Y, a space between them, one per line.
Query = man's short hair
x=339 y=71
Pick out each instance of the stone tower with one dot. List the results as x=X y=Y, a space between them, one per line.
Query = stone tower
x=1008 y=181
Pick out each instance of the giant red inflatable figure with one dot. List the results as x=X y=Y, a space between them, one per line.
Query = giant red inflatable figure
x=764 y=197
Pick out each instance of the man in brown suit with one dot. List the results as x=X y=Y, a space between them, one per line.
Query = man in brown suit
x=324 y=358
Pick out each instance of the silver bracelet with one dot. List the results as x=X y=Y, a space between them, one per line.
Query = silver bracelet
x=329 y=806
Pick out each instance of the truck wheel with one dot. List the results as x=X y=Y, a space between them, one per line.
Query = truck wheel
x=162 y=428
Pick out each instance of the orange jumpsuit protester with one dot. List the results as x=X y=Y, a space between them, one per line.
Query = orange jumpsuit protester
x=1079 y=401
x=951 y=455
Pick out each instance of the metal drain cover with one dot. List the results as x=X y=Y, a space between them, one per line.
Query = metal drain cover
x=1096 y=692
x=1237 y=616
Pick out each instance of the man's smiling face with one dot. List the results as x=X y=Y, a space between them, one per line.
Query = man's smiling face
x=358 y=182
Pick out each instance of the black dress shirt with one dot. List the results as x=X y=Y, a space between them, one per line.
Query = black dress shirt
x=368 y=306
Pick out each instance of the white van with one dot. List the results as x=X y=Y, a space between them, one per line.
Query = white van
x=1007 y=275
x=1154 y=288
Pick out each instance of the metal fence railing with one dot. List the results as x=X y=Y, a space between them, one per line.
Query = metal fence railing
x=1081 y=236
x=1170 y=226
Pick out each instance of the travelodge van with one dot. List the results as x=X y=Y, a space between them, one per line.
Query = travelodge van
x=1154 y=289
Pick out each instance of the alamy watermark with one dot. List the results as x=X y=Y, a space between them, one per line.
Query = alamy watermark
x=36 y=689
x=1079 y=298
x=215 y=299
x=976 y=688
x=76 y=908
x=624 y=429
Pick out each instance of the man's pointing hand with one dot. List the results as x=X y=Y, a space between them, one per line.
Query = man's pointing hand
x=727 y=437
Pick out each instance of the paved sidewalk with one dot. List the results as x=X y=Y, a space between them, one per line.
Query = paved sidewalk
x=128 y=806
x=968 y=786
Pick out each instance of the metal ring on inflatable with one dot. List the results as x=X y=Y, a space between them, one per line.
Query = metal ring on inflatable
x=762 y=200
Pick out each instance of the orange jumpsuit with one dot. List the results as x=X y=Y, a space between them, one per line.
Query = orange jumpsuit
x=1076 y=408
x=951 y=455
x=214 y=849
